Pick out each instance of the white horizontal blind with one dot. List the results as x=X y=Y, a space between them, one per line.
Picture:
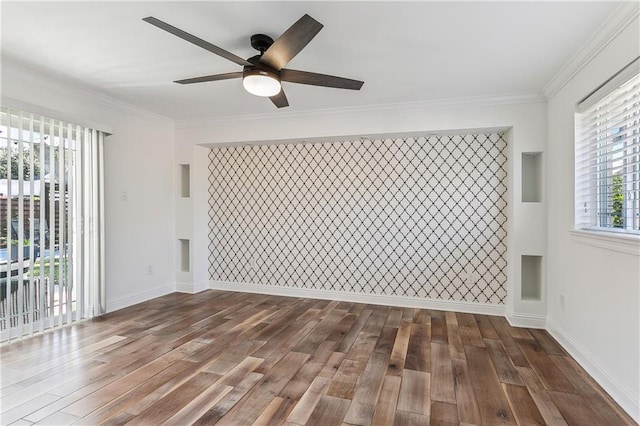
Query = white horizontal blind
x=607 y=161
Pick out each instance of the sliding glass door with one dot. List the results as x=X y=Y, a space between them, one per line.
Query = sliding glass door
x=48 y=170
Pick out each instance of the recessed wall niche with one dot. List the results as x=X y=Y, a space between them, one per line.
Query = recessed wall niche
x=185 y=181
x=531 y=277
x=184 y=255
x=531 y=177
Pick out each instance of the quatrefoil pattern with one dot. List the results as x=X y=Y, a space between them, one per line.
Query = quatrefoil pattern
x=422 y=217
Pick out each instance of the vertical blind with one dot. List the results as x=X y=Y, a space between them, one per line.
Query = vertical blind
x=50 y=223
x=607 y=159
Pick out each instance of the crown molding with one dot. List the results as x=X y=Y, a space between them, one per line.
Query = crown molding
x=14 y=69
x=466 y=102
x=605 y=34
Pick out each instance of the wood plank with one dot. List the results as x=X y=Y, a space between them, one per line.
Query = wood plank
x=199 y=405
x=323 y=352
x=493 y=404
x=303 y=409
x=342 y=328
x=58 y=418
x=319 y=333
x=442 y=385
x=421 y=316
x=404 y=418
x=415 y=392
x=301 y=381
x=120 y=419
x=523 y=406
x=386 y=340
x=367 y=390
x=394 y=318
x=407 y=314
x=363 y=347
x=351 y=336
x=377 y=319
x=344 y=381
x=573 y=408
x=549 y=374
x=123 y=385
x=469 y=330
x=418 y=356
x=443 y=414
x=229 y=358
x=261 y=395
x=468 y=409
x=520 y=333
x=332 y=365
x=147 y=392
x=85 y=389
x=240 y=371
x=486 y=327
x=507 y=372
x=329 y=410
x=439 y=328
x=275 y=413
x=220 y=408
x=399 y=351
x=385 y=407
x=29 y=406
x=606 y=411
x=274 y=350
x=547 y=343
x=176 y=400
x=456 y=348
x=511 y=347
x=542 y=398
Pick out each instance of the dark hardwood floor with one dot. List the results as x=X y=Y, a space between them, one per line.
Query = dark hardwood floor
x=242 y=359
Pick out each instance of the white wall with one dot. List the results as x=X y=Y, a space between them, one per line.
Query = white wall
x=138 y=160
x=598 y=322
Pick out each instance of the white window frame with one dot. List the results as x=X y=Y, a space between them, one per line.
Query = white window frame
x=599 y=156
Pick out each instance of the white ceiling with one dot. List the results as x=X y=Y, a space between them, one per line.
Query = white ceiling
x=404 y=51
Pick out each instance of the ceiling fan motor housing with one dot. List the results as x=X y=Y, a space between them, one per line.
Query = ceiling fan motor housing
x=261 y=42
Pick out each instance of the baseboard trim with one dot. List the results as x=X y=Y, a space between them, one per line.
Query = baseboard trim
x=192 y=288
x=133 y=299
x=184 y=288
x=374 y=299
x=528 y=321
x=620 y=393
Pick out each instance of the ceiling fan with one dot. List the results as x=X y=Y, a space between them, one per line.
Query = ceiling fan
x=262 y=74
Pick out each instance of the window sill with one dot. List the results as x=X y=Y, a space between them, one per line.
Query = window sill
x=623 y=243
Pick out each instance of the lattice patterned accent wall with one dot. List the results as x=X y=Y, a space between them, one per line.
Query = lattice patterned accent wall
x=419 y=217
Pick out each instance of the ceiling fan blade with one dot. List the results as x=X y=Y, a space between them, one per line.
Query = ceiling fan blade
x=280 y=100
x=214 y=77
x=315 y=79
x=291 y=42
x=197 y=41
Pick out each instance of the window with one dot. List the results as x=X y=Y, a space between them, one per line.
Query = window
x=607 y=156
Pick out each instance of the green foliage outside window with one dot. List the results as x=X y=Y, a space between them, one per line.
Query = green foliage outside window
x=15 y=164
x=617 y=202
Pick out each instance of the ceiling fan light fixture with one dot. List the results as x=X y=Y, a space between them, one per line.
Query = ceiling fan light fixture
x=261 y=82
